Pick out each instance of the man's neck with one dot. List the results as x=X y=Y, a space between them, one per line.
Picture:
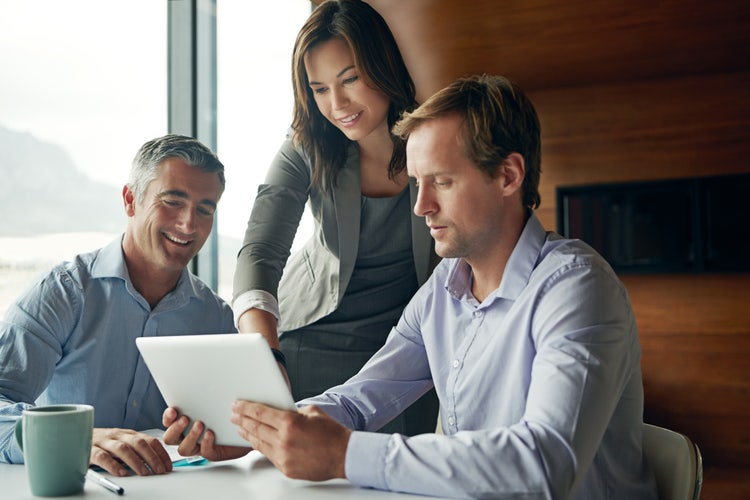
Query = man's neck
x=154 y=292
x=152 y=284
x=487 y=273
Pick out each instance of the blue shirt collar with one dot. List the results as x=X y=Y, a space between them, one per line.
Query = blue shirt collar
x=110 y=263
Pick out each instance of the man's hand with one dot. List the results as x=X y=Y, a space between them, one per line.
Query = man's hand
x=113 y=449
x=189 y=445
x=303 y=445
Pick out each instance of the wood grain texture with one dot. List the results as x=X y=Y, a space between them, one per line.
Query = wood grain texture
x=695 y=339
x=726 y=483
x=546 y=44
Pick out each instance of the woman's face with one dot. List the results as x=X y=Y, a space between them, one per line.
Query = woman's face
x=342 y=93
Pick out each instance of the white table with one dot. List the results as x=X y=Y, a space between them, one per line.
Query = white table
x=247 y=478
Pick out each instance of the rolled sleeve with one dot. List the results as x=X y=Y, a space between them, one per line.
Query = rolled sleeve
x=255 y=299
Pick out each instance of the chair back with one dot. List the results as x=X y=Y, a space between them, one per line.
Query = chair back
x=676 y=462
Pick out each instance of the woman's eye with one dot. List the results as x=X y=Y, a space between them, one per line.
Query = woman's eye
x=319 y=90
x=351 y=79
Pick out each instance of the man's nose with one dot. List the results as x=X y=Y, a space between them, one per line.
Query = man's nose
x=187 y=220
x=424 y=204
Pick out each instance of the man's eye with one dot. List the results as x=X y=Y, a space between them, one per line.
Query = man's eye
x=205 y=211
x=171 y=203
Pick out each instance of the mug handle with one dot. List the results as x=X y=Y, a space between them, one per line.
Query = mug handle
x=19 y=433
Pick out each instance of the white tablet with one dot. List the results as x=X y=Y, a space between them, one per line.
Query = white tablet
x=202 y=375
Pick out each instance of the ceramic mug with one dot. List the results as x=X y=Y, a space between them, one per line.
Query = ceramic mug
x=56 y=444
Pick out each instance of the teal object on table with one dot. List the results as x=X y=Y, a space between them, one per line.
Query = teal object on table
x=56 y=444
x=184 y=462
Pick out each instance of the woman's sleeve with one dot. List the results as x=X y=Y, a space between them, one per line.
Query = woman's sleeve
x=273 y=223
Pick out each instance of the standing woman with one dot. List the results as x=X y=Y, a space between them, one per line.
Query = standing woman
x=331 y=304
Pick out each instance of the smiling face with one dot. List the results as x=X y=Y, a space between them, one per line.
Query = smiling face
x=463 y=207
x=342 y=93
x=169 y=225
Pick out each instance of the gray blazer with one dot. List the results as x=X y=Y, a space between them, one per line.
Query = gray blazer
x=310 y=284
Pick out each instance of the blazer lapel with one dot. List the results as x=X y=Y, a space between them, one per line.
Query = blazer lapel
x=347 y=198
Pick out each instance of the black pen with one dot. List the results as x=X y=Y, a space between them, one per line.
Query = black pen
x=103 y=481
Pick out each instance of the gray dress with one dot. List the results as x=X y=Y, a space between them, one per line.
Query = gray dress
x=332 y=349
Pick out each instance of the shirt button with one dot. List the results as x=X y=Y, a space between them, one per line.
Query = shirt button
x=452 y=420
x=477 y=314
x=456 y=363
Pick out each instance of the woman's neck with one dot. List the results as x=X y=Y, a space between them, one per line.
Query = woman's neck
x=375 y=152
x=374 y=158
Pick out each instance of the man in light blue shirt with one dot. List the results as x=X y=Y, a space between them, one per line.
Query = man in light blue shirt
x=70 y=338
x=528 y=338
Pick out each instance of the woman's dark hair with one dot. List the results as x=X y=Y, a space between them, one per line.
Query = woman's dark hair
x=376 y=55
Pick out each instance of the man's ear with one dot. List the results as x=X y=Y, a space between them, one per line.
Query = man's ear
x=128 y=199
x=512 y=172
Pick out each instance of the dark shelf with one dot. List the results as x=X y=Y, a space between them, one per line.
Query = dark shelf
x=677 y=225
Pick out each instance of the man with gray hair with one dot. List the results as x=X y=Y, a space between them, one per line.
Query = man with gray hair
x=70 y=338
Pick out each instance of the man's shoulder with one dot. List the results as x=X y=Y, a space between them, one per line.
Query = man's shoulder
x=78 y=268
x=62 y=287
x=560 y=251
x=564 y=258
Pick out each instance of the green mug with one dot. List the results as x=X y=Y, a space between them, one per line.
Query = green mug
x=56 y=444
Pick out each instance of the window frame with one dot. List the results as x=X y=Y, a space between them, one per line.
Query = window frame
x=191 y=97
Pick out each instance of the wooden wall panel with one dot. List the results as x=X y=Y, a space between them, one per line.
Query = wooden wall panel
x=546 y=44
x=695 y=338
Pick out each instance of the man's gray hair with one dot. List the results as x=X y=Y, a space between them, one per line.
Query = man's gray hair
x=146 y=162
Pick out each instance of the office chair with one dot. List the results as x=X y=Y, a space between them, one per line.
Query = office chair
x=676 y=462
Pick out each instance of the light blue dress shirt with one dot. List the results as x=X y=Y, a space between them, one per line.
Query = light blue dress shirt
x=70 y=338
x=540 y=384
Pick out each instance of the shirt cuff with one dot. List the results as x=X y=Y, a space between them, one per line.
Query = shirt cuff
x=365 y=459
x=255 y=299
x=10 y=452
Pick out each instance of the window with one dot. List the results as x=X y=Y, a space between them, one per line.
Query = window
x=254 y=59
x=83 y=86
